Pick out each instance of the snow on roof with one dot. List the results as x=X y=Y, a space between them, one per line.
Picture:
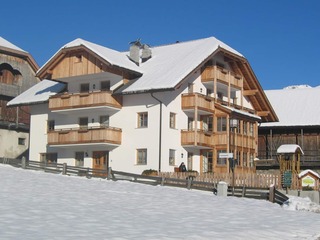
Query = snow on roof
x=7 y=44
x=308 y=171
x=112 y=56
x=170 y=64
x=243 y=113
x=289 y=148
x=38 y=93
x=295 y=106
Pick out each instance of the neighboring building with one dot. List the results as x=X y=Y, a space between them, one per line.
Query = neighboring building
x=149 y=108
x=17 y=74
x=299 y=123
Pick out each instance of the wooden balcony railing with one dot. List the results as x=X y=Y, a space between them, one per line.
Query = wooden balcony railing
x=222 y=75
x=87 y=135
x=81 y=100
x=193 y=100
x=199 y=138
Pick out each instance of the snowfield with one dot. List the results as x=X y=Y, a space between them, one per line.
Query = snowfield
x=38 y=205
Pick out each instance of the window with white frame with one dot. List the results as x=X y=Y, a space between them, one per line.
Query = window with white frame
x=79 y=158
x=143 y=120
x=172 y=120
x=172 y=157
x=142 y=156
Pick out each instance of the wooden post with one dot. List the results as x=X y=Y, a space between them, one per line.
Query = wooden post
x=162 y=180
x=64 y=170
x=109 y=173
x=23 y=162
x=272 y=193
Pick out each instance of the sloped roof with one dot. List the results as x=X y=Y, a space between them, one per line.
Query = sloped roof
x=289 y=148
x=114 y=57
x=295 y=106
x=11 y=49
x=305 y=172
x=38 y=93
x=170 y=64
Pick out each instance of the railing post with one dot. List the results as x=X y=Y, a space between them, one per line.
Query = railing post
x=272 y=193
x=64 y=169
x=23 y=162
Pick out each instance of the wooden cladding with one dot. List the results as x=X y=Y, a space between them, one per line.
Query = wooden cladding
x=81 y=100
x=201 y=138
x=202 y=102
x=221 y=74
x=86 y=135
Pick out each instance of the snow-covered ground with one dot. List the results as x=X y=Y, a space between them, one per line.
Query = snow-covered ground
x=37 y=205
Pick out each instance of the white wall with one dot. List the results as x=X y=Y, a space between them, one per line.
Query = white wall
x=9 y=146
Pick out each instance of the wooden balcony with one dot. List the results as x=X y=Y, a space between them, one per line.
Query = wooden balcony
x=101 y=135
x=84 y=100
x=221 y=74
x=191 y=101
x=199 y=138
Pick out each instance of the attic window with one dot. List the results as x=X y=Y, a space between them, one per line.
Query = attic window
x=78 y=58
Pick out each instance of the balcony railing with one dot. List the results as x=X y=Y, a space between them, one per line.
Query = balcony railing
x=192 y=100
x=222 y=75
x=81 y=100
x=85 y=135
x=199 y=138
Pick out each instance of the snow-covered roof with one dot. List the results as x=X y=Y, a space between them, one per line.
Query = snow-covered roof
x=112 y=56
x=38 y=93
x=250 y=115
x=289 y=148
x=170 y=64
x=7 y=44
x=308 y=171
x=295 y=106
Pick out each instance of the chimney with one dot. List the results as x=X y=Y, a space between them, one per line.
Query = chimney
x=135 y=51
x=146 y=53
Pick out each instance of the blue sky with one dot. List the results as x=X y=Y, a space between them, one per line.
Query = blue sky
x=280 y=38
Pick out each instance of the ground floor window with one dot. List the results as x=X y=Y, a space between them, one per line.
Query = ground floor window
x=221 y=161
x=51 y=158
x=142 y=156
x=79 y=158
x=172 y=157
x=207 y=162
x=189 y=163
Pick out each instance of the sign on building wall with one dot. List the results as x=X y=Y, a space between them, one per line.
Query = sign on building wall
x=308 y=181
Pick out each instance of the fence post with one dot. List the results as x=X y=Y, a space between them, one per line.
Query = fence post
x=23 y=162
x=189 y=182
x=109 y=173
x=64 y=169
x=272 y=193
x=162 y=181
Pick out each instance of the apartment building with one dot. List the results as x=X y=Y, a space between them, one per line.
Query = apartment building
x=148 y=108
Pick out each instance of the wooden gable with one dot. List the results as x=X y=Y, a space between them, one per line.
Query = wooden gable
x=77 y=62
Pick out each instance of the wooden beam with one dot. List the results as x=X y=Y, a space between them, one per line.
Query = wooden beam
x=263 y=113
x=250 y=92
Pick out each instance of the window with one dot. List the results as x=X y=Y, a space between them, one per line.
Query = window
x=142 y=157
x=83 y=122
x=142 y=119
x=172 y=120
x=207 y=162
x=251 y=160
x=190 y=157
x=21 y=141
x=79 y=157
x=49 y=158
x=245 y=128
x=105 y=85
x=50 y=125
x=172 y=157
x=222 y=124
x=251 y=131
x=221 y=161
x=190 y=123
x=84 y=87
x=104 y=121
x=245 y=159
x=208 y=123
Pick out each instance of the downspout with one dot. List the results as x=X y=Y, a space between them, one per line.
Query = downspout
x=160 y=130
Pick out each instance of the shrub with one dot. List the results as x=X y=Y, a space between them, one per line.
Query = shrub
x=149 y=172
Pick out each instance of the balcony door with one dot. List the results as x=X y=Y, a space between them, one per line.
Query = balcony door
x=100 y=163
